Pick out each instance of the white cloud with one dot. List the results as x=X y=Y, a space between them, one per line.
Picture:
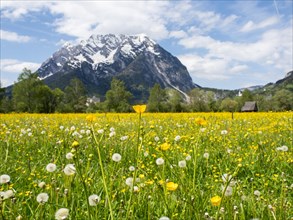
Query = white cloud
x=16 y=66
x=117 y=17
x=275 y=45
x=178 y=34
x=14 y=10
x=12 y=36
x=250 y=25
x=238 y=68
x=204 y=67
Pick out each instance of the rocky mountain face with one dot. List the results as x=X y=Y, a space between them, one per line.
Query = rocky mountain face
x=137 y=60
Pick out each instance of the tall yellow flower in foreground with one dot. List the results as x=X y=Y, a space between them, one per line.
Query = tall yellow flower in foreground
x=170 y=186
x=216 y=200
x=139 y=108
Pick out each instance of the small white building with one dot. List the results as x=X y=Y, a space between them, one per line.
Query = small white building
x=92 y=100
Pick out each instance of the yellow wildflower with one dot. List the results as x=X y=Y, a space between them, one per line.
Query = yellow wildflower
x=90 y=118
x=170 y=186
x=216 y=200
x=200 y=121
x=139 y=108
x=165 y=146
x=75 y=144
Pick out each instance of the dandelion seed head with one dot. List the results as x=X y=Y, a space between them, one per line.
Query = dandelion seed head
x=256 y=193
x=116 y=157
x=51 y=167
x=69 y=169
x=69 y=156
x=188 y=157
x=94 y=200
x=101 y=131
x=129 y=181
x=177 y=138
x=206 y=155
x=224 y=132
x=62 y=214
x=182 y=163
x=164 y=218
x=42 y=184
x=131 y=168
x=4 y=179
x=160 y=161
x=42 y=198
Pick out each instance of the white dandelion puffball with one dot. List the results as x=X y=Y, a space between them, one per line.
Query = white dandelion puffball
x=69 y=156
x=160 y=161
x=131 y=168
x=256 y=193
x=62 y=214
x=223 y=132
x=283 y=148
x=188 y=157
x=116 y=157
x=129 y=181
x=51 y=167
x=112 y=133
x=229 y=191
x=69 y=169
x=182 y=163
x=101 y=131
x=164 y=218
x=4 y=179
x=94 y=200
x=135 y=189
x=112 y=129
x=42 y=198
x=42 y=184
x=177 y=138
x=124 y=138
x=7 y=194
x=157 y=138
x=206 y=155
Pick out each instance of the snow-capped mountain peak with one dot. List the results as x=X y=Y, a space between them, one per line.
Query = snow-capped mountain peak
x=104 y=56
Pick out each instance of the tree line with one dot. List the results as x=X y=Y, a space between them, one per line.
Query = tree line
x=30 y=94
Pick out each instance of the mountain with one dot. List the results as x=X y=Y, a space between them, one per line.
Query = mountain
x=137 y=60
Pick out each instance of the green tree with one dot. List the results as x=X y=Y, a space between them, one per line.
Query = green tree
x=229 y=105
x=283 y=100
x=198 y=100
x=25 y=91
x=117 y=98
x=157 y=99
x=175 y=100
x=74 y=99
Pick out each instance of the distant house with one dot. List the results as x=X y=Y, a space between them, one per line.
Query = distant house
x=92 y=100
x=249 y=107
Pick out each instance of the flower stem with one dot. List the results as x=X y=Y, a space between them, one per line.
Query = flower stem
x=103 y=174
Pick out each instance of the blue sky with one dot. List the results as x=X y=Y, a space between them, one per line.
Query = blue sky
x=224 y=44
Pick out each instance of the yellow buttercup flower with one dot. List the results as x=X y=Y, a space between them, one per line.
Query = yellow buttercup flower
x=216 y=200
x=75 y=144
x=139 y=108
x=165 y=146
x=90 y=118
x=200 y=121
x=170 y=186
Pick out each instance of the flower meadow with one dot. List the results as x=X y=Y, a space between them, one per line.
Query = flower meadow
x=146 y=166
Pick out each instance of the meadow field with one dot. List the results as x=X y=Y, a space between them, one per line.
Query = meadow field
x=146 y=166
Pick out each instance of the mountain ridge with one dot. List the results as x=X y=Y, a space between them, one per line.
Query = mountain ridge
x=131 y=58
